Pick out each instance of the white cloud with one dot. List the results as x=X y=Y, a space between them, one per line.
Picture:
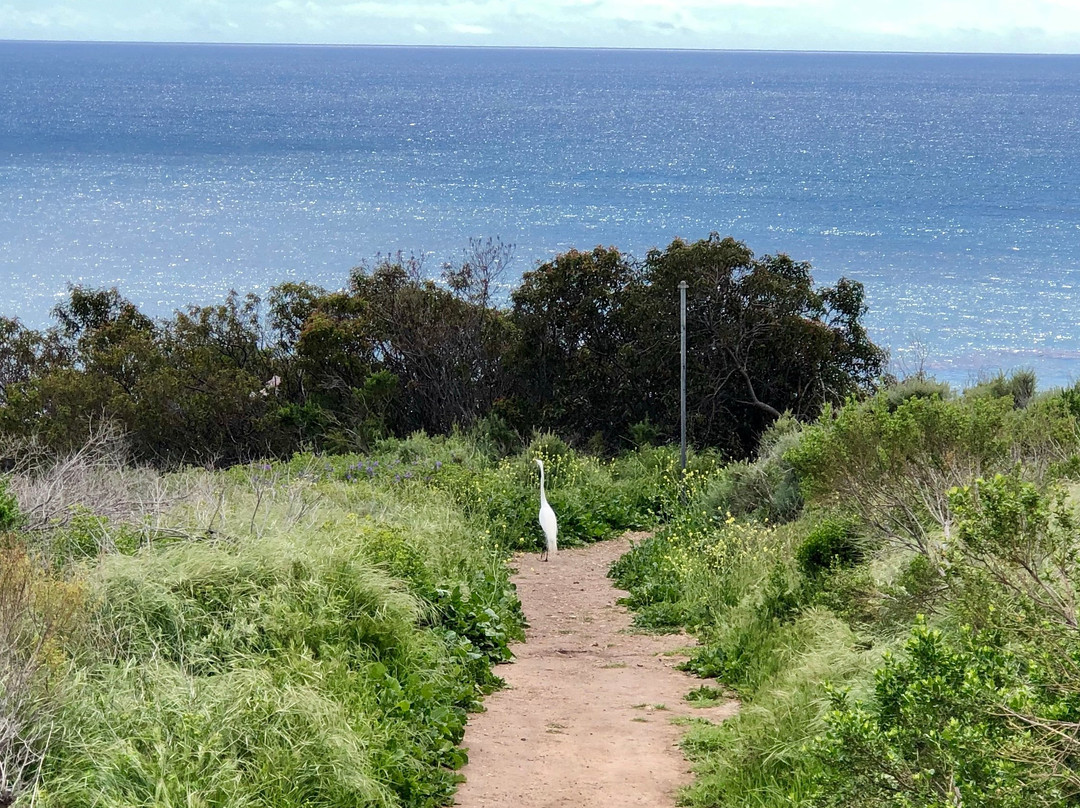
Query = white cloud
x=472 y=30
x=807 y=24
x=13 y=18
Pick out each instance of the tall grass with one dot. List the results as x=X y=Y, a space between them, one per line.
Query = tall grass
x=302 y=647
x=310 y=632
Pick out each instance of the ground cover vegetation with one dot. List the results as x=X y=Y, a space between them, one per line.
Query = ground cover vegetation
x=233 y=571
x=288 y=633
x=890 y=589
x=279 y=590
x=586 y=346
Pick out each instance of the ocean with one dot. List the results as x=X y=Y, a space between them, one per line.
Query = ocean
x=948 y=184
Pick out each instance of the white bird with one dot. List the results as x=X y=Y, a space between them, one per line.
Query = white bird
x=547 y=520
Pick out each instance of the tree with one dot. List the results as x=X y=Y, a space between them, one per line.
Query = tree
x=203 y=403
x=761 y=339
x=588 y=347
x=575 y=353
x=443 y=343
x=82 y=373
x=25 y=353
x=597 y=343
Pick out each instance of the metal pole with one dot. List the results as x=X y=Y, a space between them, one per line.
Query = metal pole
x=682 y=377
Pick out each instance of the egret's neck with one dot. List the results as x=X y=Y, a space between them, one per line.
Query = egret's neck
x=543 y=497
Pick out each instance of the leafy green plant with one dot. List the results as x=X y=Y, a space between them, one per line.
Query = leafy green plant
x=10 y=517
x=936 y=732
x=917 y=386
x=86 y=535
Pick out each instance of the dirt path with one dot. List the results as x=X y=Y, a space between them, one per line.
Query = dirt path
x=585 y=719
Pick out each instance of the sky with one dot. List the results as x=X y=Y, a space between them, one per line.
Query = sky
x=996 y=26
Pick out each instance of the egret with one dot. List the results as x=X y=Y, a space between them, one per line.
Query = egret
x=547 y=520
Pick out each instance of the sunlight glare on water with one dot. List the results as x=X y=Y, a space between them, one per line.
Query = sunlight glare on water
x=947 y=184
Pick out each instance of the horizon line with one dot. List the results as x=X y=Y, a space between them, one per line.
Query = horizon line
x=840 y=51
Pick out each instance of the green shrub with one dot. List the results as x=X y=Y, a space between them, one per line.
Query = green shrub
x=918 y=589
x=935 y=732
x=784 y=593
x=661 y=616
x=851 y=593
x=87 y=535
x=10 y=517
x=494 y=437
x=1020 y=386
x=768 y=487
x=645 y=572
x=645 y=433
x=1070 y=397
x=893 y=469
x=917 y=386
x=832 y=543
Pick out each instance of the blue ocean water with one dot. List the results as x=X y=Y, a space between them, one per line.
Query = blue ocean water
x=948 y=184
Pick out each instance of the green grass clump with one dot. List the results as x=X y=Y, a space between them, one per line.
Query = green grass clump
x=148 y=733
x=833 y=543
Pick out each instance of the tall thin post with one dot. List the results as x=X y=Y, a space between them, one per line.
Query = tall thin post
x=682 y=381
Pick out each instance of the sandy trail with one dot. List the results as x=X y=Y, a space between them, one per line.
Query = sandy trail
x=585 y=719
